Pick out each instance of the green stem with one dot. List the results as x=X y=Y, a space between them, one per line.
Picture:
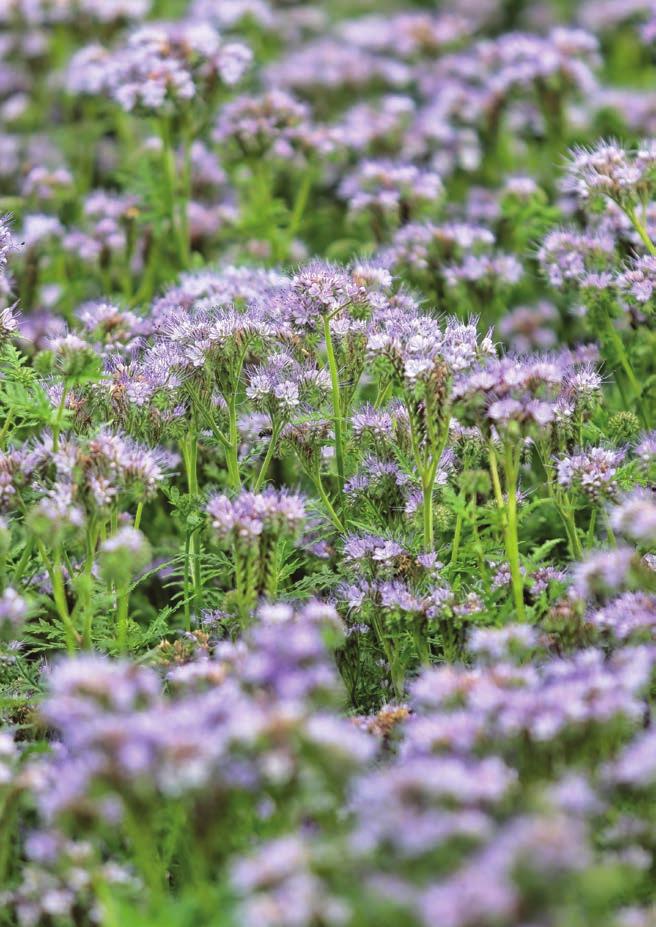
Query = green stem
x=427 y=494
x=137 y=517
x=640 y=228
x=591 y=527
x=54 y=571
x=122 y=603
x=457 y=534
x=627 y=367
x=93 y=532
x=429 y=475
x=567 y=515
x=232 y=450
x=298 y=210
x=496 y=485
x=185 y=196
x=58 y=420
x=264 y=469
x=169 y=170
x=332 y=514
x=9 y=418
x=512 y=536
x=24 y=560
x=337 y=412
x=190 y=456
x=612 y=540
x=478 y=545
x=186 y=584
x=388 y=650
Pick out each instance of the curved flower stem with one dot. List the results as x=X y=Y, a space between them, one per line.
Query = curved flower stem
x=641 y=229
x=332 y=514
x=337 y=412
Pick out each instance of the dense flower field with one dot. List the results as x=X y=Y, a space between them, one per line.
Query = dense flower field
x=327 y=463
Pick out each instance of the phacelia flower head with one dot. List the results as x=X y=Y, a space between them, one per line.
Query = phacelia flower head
x=610 y=171
x=161 y=67
x=394 y=190
x=593 y=471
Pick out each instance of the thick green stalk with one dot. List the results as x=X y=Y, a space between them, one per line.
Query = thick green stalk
x=137 y=517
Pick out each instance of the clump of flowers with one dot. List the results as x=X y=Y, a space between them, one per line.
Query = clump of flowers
x=256 y=527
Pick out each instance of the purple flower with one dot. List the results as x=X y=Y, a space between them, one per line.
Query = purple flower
x=161 y=66
x=397 y=190
x=635 y=516
x=603 y=571
x=608 y=170
x=593 y=471
x=251 y=515
x=568 y=257
x=13 y=611
x=639 y=278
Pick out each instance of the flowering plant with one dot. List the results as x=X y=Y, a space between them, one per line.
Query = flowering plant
x=327 y=463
